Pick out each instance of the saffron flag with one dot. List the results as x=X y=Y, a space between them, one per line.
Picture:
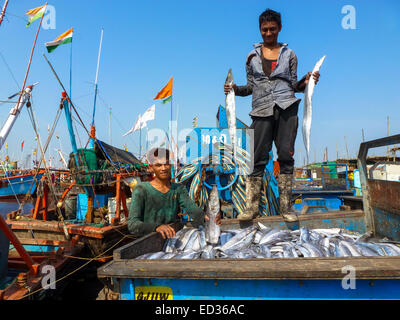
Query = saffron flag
x=35 y=14
x=22 y=145
x=7 y=145
x=166 y=91
x=66 y=37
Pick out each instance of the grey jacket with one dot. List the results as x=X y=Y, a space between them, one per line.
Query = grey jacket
x=278 y=88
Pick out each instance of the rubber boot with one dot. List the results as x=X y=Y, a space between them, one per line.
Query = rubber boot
x=285 y=192
x=253 y=190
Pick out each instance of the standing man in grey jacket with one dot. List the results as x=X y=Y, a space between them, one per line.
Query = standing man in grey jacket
x=272 y=80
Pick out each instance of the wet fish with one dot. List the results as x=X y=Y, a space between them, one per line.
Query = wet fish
x=258 y=241
x=238 y=238
x=156 y=255
x=231 y=112
x=213 y=230
x=191 y=243
x=167 y=256
x=353 y=250
x=184 y=238
x=275 y=236
x=314 y=251
x=308 y=94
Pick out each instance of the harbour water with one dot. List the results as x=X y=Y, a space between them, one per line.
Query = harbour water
x=6 y=207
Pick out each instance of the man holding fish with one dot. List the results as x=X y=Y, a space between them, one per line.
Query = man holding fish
x=272 y=80
x=155 y=204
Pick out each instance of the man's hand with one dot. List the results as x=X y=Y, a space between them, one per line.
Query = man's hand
x=228 y=88
x=315 y=76
x=166 y=231
x=217 y=219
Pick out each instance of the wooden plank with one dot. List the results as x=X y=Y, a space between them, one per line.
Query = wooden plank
x=254 y=269
x=56 y=226
x=312 y=220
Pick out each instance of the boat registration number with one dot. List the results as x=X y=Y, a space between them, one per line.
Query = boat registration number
x=153 y=293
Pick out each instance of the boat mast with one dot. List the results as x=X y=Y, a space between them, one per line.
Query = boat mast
x=92 y=127
x=14 y=113
x=23 y=95
x=3 y=12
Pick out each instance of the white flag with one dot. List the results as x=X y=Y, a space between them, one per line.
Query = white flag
x=149 y=114
x=137 y=126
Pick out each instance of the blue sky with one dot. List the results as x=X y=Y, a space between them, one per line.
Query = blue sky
x=196 y=42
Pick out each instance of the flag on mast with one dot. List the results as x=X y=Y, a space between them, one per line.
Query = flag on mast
x=165 y=92
x=35 y=14
x=137 y=126
x=22 y=145
x=149 y=114
x=66 y=37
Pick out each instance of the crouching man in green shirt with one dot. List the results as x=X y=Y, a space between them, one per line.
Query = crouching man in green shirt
x=155 y=204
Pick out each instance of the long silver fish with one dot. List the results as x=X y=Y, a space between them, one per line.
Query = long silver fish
x=212 y=229
x=231 y=112
x=308 y=94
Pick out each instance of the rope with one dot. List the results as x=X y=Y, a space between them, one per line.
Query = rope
x=76 y=270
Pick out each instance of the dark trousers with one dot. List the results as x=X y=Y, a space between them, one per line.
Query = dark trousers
x=280 y=128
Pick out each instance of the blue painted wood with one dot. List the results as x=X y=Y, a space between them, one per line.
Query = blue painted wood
x=206 y=289
x=18 y=185
x=387 y=224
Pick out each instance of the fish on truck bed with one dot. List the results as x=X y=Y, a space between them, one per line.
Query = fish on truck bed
x=258 y=241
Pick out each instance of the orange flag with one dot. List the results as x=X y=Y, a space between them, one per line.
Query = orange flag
x=166 y=91
x=22 y=145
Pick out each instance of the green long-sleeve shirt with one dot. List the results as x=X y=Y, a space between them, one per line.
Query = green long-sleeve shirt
x=151 y=208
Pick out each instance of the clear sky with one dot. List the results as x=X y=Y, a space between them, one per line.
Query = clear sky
x=196 y=42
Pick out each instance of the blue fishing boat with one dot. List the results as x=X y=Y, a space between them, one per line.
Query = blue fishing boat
x=17 y=186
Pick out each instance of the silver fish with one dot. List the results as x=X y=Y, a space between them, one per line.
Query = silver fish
x=184 y=238
x=314 y=251
x=169 y=255
x=366 y=251
x=213 y=208
x=353 y=250
x=304 y=235
x=190 y=245
x=308 y=94
x=231 y=112
x=187 y=255
x=305 y=253
x=156 y=255
x=274 y=237
x=239 y=237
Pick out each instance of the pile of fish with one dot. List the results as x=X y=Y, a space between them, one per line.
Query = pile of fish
x=259 y=241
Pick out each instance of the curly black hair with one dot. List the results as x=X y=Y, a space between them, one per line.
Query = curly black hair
x=270 y=15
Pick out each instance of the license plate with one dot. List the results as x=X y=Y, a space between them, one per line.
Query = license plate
x=153 y=293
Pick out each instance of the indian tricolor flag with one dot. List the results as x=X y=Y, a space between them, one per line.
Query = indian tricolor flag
x=35 y=14
x=66 y=37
